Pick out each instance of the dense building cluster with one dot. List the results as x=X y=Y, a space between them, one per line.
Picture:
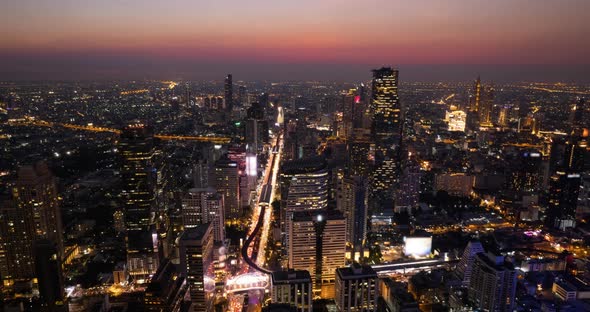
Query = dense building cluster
x=381 y=195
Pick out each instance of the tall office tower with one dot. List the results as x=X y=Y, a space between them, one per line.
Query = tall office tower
x=360 y=159
x=525 y=172
x=407 y=195
x=36 y=189
x=256 y=129
x=564 y=184
x=318 y=245
x=353 y=203
x=17 y=233
x=492 y=286
x=387 y=133
x=228 y=93
x=475 y=101
x=196 y=256
x=578 y=118
x=503 y=116
x=227 y=182
x=201 y=174
x=138 y=195
x=201 y=206
x=50 y=278
x=356 y=288
x=486 y=107
x=304 y=187
x=465 y=266
x=167 y=290
x=292 y=287
x=242 y=95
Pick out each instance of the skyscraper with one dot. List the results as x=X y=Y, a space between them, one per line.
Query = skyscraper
x=138 y=195
x=465 y=266
x=17 y=233
x=36 y=189
x=387 y=134
x=317 y=244
x=356 y=288
x=196 y=252
x=49 y=274
x=228 y=93
x=353 y=203
x=492 y=285
x=227 y=182
x=167 y=289
x=201 y=206
x=304 y=187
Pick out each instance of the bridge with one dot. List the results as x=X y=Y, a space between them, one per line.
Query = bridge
x=32 y=121
x=246 y=282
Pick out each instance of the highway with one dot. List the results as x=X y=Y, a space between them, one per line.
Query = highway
x=264 y=212
x=33 y=121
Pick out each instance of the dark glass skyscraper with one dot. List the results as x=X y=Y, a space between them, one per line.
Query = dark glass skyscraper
x=228 y=92
x=137 y=175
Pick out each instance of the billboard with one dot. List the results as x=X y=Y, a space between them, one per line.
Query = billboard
x=417 y=246
x=251 y=166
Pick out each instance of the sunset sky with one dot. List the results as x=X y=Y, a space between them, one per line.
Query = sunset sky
x=70 y=38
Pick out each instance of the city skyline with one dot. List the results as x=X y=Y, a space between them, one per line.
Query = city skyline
x=191 y=40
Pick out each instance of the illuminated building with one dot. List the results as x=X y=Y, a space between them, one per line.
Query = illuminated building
x=167 y=290
x=201 y=206
x=387 y=132
x=526 y=170
x=408 y=193
x=456 y=120
x=196 y=256
x=317 y=244
x=486 y=107
x=385 y=104
x=17 y=233
x=476 y=99
x=564 y=184
x=256 y=128
x=292 y=287
x=227 y=182
x=228 y=95
x=119 y=221
x=465 y=266
x=578 y=116
x=458 y=184
x=492 y=285
x=138 y=177
x=360 y=159
x=356 y=288
x=396 y=297
x=36 y=189
x=353 y=203
x=50 y=278
x=304 y=186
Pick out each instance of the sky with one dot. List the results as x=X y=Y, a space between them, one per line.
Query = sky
x=293 y=39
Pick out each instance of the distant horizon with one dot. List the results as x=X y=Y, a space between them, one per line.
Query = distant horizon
x=343 y=73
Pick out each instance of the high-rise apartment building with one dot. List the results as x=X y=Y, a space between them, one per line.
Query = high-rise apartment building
x=465 y=266
x=201 y=206
x=196 y=256
x=317 y=244
x=36 y=190
x=492 y=285
x=356 y=288
x=352 y=201
x=138 y=195
x=227 y=182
